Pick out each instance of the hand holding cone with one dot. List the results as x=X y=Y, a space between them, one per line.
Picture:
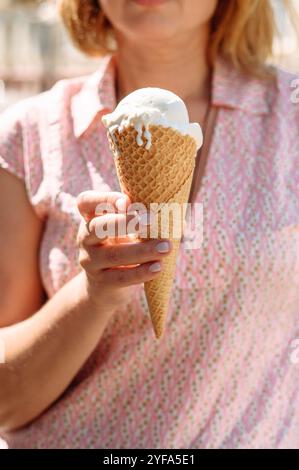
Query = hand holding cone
x=160 y=173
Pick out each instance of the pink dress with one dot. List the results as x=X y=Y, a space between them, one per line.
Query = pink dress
x=225 y=374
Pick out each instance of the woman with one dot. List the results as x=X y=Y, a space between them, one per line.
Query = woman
x=82 y=366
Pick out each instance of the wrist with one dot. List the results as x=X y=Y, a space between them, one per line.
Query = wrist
x=95 y=296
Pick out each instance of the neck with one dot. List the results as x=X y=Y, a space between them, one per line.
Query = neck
x=180 y=66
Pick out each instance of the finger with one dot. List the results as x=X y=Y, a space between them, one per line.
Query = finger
x=107 y=226
x=125 y=254
x=89 y=203
x=128 y=276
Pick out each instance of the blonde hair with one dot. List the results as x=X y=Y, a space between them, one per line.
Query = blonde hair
x=243 y=31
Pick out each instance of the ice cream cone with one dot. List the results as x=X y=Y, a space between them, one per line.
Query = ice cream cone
x=161 y=174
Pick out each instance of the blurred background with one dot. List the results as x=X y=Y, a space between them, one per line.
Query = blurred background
x=35 y=51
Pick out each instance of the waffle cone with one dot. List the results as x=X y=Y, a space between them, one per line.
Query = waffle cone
x=162 y=174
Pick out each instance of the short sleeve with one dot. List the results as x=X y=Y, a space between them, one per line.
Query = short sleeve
x=21 y=126
x=11 y=141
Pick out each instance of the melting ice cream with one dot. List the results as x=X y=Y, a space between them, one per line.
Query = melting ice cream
x=152 y=106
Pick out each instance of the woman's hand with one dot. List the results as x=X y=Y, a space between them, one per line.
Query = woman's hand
x=114 y=265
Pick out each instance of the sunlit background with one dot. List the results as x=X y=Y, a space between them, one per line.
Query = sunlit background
x=35 y=51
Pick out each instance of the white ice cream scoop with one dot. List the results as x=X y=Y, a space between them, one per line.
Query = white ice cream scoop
x=152 y=106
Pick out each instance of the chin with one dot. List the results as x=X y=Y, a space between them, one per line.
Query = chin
x=153 y=37
x=150 y=27
x=151 y=24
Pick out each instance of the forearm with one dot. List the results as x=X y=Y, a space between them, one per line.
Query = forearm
x=44 y=352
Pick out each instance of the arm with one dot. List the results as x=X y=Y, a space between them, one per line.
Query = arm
x=45 y=349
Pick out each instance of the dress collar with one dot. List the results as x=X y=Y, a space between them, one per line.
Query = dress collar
x=230 y=89
x=96 y=97
x=235 y=89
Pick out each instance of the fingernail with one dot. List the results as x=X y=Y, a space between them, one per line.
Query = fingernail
x=121 y=203
x=163 y=247
x=144 y=218
x=155 y=267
